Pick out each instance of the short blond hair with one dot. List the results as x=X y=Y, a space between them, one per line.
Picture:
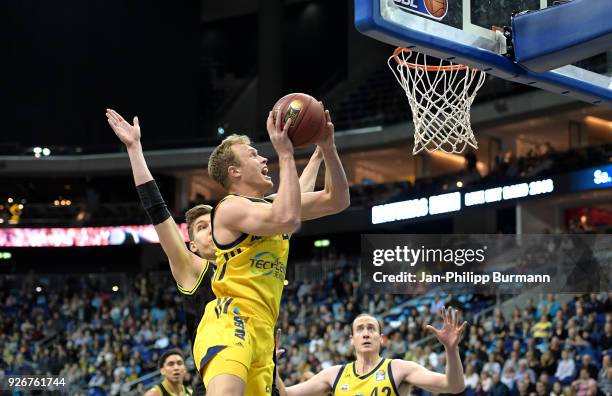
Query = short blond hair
x=223 y=157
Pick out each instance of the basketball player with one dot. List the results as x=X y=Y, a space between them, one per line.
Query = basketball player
x=190 y=267
x=172 y=368
x=251 y=235
x=371 y=375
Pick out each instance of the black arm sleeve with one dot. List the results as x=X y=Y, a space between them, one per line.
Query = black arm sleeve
x=152 y=201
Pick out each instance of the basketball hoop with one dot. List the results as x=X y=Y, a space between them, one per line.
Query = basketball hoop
x=440 y=97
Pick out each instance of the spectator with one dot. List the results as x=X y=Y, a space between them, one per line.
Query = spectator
x=397 y=345
x=589 y=366
x=557 y=389
x=566 y=370
x=555 y=347
x=436 y=304
x=524 y=372
x=540 y=389
x=471 y=377
x=512 y=361
x=508 y=377
x=432 y=357
x=541 y=330
x=499 y=323
x=605 y=382
x=97 y=380
x=603 y=372
x=580 y=317
x=522 y=387
x=605 y=342
x=583 y=385
x=115 y=388
x=486 y=382
x=548 y=306
x=546 y=380
x=533 y=362
x=548 y=363
x=492 y=366
x=498 y=388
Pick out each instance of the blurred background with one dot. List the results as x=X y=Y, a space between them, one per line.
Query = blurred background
x=85 y=290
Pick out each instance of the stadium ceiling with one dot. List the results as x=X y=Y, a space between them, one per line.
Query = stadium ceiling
x=216 y=10
x=484 y=115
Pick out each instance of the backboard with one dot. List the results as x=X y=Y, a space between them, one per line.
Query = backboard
x=461 y=31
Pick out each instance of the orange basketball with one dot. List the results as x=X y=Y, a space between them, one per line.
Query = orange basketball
x=436 y=8
x=308 y=118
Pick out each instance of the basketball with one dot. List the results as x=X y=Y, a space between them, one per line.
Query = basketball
x=307 y=115
x=437 y=8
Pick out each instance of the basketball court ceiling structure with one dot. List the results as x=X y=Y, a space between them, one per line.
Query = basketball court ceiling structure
x=215 y=10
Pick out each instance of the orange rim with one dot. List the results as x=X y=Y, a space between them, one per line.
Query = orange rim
x=402 y=62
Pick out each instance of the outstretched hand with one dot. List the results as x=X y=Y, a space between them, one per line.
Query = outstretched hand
x=278 y=134
x=450 y=334
x=327 y=137
x=128 y=134
x=278 y=351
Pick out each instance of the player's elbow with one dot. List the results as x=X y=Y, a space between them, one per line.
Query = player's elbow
x=289 y=224
x=345 y=202
x=339 y=203
x=293 y=225
x=455 y=388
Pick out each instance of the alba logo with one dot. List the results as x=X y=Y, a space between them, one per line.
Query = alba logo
x=436 y=9
x=265 y=263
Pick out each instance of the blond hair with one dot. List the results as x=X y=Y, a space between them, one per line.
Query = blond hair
x=223 y=157
x=193 y=214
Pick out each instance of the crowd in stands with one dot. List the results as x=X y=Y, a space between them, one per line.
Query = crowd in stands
x=101 y=340
x=544 y=348
x=97 y=339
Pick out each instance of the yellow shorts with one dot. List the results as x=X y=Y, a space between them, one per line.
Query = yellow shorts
x=228 y=343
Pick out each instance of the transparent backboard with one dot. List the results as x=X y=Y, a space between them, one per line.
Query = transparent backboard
x=461 y=31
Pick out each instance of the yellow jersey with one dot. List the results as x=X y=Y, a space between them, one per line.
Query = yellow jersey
x=251 y=270
x=378 y=382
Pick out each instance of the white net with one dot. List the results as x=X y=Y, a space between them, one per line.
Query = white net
x=440 y=96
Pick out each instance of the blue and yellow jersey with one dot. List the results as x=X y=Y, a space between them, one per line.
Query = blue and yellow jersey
x=165 y=392
x=251 y=271
x=378 y=382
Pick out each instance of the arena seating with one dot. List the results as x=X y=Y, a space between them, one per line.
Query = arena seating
x=102 y=340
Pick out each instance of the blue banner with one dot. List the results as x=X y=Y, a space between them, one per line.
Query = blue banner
x=592 y=178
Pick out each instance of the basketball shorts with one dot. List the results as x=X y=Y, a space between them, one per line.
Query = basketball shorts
x=228 y=343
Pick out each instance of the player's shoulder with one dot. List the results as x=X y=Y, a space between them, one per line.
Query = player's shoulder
x=401 y=367
x=404 y=363
x=234 y=201
x=334 y=369
x=331 y=374
x=153 y=391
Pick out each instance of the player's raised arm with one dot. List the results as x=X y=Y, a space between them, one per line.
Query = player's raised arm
x=185 y=266
x=453 y=380
x=320 y=383
x=308 y=178
x=335 y=196
x=153 y=392
x=317 y=385
x=283 y=216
